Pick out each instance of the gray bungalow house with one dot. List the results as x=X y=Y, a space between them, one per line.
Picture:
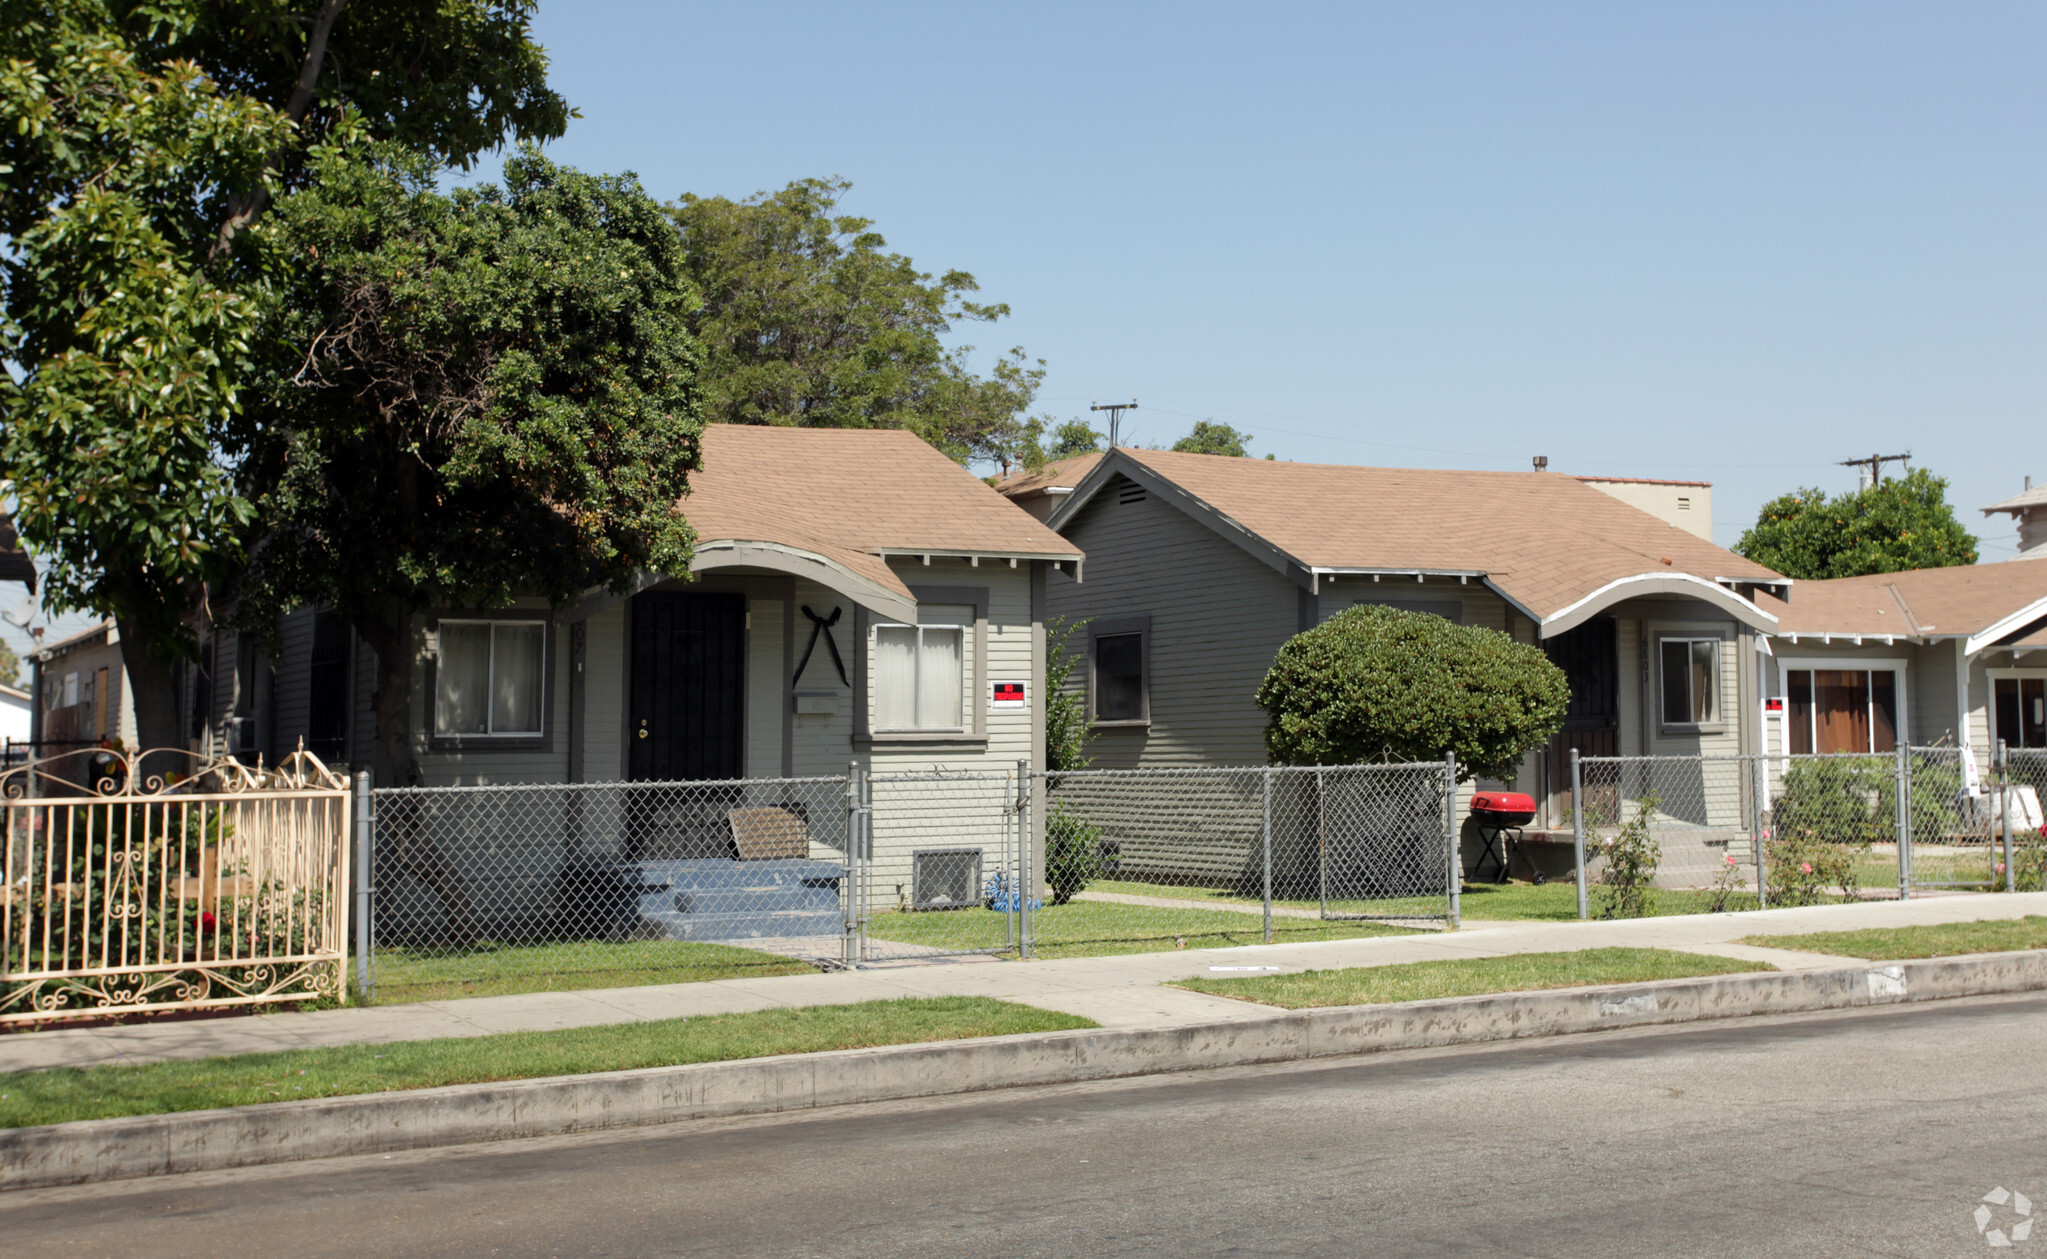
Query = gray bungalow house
x=1861 y=664
x=1200 y=567
x=855 y=596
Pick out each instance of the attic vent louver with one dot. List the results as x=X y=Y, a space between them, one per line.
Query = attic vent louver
x=1130 y=492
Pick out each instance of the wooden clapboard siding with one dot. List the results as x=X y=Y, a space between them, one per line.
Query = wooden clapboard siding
x=291 y=689
x=1217 y=617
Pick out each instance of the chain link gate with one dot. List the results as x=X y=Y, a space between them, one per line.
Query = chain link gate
x=945 y=866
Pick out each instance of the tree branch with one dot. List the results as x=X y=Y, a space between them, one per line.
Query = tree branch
x=246 y=210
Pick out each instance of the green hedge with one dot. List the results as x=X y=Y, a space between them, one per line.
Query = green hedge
x=1374 y=683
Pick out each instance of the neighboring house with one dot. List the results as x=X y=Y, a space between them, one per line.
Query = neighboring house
x=15 y=564
x=854 y=596
x=1686 y=504
x=1201 y=567
x=80 y=693
x=17 y=715
x=2028 y=510
x=1041 y=492
x=1859 y=664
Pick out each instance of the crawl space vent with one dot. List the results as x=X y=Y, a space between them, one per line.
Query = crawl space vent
x=945 y=878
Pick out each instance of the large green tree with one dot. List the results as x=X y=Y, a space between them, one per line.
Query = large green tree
x=1902 y=523
x=808 y=319
x=1210 y=438
x=139 y=144
x=488 y=394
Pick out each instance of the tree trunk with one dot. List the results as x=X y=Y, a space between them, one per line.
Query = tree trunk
x=153 y=693
x=400 y=834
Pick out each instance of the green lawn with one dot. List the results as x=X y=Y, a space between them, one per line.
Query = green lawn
x=1100 y=929
x=1406 y=906
x=1467 y=977
x=40 y=1097
x=1890 y=944
x=1520 y=902
x=489 y=970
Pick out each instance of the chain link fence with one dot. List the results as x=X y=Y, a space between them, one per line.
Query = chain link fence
x=2021 y=820
x=1707 y=834
x=480 y=890
x=1143 y=859
x=1666 y=834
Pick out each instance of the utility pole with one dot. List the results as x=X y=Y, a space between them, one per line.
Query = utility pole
x=1875 y=464
x=1115 y=410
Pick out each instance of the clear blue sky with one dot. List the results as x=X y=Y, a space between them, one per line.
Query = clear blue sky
x=1729 y=242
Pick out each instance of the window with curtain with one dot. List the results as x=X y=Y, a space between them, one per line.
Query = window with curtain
x=1691 y=681
x=489 y=677
x=920 y=675
x=2021 y=706
x=1842 y=710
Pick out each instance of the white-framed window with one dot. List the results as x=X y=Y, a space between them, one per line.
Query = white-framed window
x=1837 y=706
x=1690 y=684
x=1119 y=672
x=2018 y=707
x=920 y=671
x=489 y=679
x=70 y=690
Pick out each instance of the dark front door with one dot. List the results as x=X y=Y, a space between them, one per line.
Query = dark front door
x=688 y=668
x=1590 y=658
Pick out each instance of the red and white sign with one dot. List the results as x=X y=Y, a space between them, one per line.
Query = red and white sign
x=1005 y=696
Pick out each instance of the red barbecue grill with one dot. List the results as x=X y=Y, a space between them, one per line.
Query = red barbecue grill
x=1497 y=813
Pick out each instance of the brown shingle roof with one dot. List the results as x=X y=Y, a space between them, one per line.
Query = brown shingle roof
x=852 y=495
x=1061 y=473
x=1544 y=540
x=1965 y=600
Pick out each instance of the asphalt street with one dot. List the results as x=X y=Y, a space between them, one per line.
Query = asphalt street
x=1872 y=1132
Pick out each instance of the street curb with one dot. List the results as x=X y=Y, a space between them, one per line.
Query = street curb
x=376 y=1123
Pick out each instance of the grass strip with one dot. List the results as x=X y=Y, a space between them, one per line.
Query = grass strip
x=1103 y=929
x=58 y=1096
x=494 y=970
x=1891 y=944
x=1467 y=977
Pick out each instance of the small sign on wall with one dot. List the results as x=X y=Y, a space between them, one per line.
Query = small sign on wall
x=1005 y=696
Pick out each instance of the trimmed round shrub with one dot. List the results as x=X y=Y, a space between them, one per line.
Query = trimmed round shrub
x=1374 y=683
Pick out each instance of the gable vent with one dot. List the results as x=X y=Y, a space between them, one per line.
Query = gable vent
x=1130 y=492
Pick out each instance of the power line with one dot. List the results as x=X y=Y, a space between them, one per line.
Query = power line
x=1115 y=410
x=1875 y=464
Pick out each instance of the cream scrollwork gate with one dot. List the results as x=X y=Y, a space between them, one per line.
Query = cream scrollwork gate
x=158 y=881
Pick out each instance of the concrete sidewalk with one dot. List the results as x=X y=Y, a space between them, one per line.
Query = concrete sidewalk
x=1118 y=992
